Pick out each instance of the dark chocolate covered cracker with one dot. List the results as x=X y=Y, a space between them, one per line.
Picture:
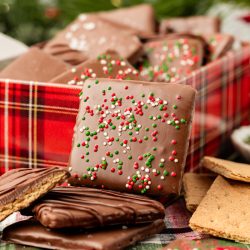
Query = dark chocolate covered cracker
x=93 y=208
x=132 y=136
x=20 y=187
x=31 y=233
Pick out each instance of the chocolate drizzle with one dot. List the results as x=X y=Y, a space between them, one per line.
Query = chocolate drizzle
x=87 y=207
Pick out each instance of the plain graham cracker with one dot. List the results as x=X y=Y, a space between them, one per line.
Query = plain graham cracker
x=229 y=169
x=195 y=188
x=224 y=212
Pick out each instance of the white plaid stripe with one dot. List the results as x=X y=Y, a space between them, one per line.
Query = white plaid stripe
x=6 y=126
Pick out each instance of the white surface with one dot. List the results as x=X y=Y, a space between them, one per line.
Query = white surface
x=10 y=49
x=238 y=137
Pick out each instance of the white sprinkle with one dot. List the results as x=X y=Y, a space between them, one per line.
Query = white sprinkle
x=124 y=151
x=176 y=160
x=147 y=187
x=104 y=143
x=162 y=160
x=147 y=170
x=162 y=178
x=89 y=26
x=142 y=168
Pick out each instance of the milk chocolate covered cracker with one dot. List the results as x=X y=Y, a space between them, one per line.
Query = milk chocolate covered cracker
x=107 y=65
x=92 y=36
x=132 y=136
x=31 y=233
x=171 y=58
x=94 y=208
x=20 y=187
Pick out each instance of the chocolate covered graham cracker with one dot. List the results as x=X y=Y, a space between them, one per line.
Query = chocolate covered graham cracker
x=141 y=18
x=229 y=169
x=218 y=44
x=34 y=65
x=20 y=187
x=92 y=36
x=93 y=208
x=31 y=233
x=195 y=25
x=107 y=65
x=195 y=188
x=224 y=211
x=132 y=136
x=171 y=58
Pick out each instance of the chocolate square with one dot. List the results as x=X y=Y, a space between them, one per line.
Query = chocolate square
x=171 y=58
x=132 y=136
x=92 y=35
x=107 y=65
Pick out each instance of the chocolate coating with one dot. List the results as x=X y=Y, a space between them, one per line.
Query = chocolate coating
x=31 y=233
x=20 y=187
x=141 y=18
x=34 y=65
x=195 y=24
x=132 y=136
x=172 y=58
x=107 y=65
x=88 y=207
x=92 y=36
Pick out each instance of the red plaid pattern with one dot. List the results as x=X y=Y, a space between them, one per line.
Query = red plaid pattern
x=37 y=119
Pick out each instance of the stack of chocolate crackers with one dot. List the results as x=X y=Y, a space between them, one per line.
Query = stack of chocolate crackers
x=131 y=134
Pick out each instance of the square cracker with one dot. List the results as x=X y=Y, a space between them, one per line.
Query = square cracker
x=224 y=211
x=229 y=169
x=195 y=188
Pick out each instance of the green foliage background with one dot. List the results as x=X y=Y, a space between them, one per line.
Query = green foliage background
x=32 y=21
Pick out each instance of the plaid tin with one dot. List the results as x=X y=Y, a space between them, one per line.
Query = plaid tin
x=37 y=119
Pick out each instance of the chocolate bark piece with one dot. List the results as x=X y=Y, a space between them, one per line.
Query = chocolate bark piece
x=132 y=136
x=34 y=65
x=196 y=25
x=20 y=187
x=141 y=18
x=31 y=233
x=107 y=65
x=218 y=44
x=172 y=58
x=92 y=35
x=93 y=208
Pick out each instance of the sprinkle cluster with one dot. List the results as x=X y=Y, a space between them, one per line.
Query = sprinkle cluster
x=110 y=65
x=119 y=132
x=170 y=60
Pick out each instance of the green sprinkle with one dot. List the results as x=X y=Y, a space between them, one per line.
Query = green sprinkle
x=158 y=116
x=87 y=160
x=133 y=101
x=109 y=88
x=165 y=172
x=80 y=93
x=161 y=165
x=146 y=106
x=154 y=149
x=89 y=86
x=119 y=167
x=88 y=168
x=130 y=157
x=143 y=95
x=145 y=138
x=116 y=152
x=83 y=118
x=177 y=127
x=154 y=125
x=130 y=133
x=137 y=129
x=88 y=139
x=84 y=176
x=87 y=153
x=116 y=139
x=78 y=145
x=183 y=121
x=120 y=162
x=147 y=129
x=87 y=133
x=151 y=117
x=175 y=106
x=114 y=127
x=111 y=155
x=151 y=94
x=87 y=146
